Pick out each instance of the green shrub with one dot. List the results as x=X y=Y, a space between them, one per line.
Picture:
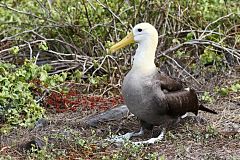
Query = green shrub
x=18 y=102
x=211 y=56
x=76 y=30
x=90 y=24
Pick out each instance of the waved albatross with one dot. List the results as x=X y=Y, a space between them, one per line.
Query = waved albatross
x=153 y=97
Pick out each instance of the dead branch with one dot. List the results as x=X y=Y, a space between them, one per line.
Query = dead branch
x=233 y=52
x=116 y=113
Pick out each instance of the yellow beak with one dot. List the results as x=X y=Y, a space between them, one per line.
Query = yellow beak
x=123 y=43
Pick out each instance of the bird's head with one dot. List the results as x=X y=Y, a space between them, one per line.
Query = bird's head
x=141 y=33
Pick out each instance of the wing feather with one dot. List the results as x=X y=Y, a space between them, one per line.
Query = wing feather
x=168 y=83
x=180 y=102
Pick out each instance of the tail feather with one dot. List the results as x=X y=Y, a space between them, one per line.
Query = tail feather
x=202 y=108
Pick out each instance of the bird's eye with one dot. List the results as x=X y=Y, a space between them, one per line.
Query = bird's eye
x=139 y=30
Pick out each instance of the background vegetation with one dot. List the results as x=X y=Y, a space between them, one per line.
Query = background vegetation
x=47 y=46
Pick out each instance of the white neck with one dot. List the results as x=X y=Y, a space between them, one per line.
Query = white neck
x=144 y=57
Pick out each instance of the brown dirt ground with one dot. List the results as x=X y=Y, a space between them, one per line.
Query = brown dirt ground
x=206 y=136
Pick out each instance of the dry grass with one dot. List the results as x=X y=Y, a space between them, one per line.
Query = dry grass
x=206 y=136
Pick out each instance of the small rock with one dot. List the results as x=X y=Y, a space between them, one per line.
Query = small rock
x=231 y=127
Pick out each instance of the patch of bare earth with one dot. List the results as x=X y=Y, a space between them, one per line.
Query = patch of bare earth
x=63 y=136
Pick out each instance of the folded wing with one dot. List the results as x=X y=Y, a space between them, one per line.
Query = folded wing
x=180 y=102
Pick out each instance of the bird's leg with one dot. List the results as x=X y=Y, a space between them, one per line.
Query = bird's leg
x=127 y=136
x=152 y=140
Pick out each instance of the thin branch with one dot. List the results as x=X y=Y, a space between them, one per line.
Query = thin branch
x=219 y=19
x=23 y=12
x=18 y=34
x=234 y=52
x=111 y=12
x=30 y=50
x=38 y=41
x=178 y=65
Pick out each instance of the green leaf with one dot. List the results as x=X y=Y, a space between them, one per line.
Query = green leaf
x=189 y=36
x=43 y=75
x=78 y=75
x=93 y=80
x=43 y=46
x=64 y=76
x=15 y=50
x=47 y=67
x=224 y=91
x=238 y=86
x=235 y=87
x=175 y=40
